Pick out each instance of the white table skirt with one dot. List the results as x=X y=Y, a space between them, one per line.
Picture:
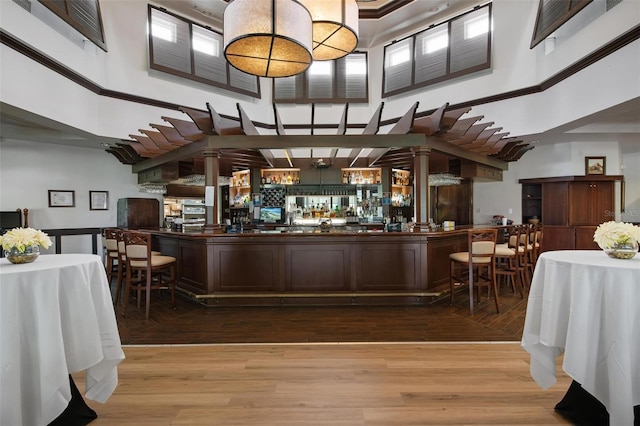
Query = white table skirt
x=587 y=305
x=56 y=317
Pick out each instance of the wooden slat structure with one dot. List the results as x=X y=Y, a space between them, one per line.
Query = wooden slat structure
x=447 y=131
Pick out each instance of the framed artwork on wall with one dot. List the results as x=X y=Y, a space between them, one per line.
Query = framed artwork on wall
x=60 y=198
x=595 y=165
x=98 y=200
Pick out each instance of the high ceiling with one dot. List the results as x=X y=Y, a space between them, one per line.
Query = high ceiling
x=381 y=21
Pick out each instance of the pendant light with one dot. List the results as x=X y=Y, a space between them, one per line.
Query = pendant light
x=335 y=27
x=268 y=38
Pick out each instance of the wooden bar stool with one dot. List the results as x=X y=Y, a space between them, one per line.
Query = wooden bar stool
x=507 y=261
x=479 y=264
x=111 y=249
x=148 y=268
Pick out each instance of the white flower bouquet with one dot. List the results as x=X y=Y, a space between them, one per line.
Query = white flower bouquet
x=22 y=238
x=611 y=235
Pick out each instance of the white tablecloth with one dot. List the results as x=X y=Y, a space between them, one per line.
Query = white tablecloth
x=56 y=317
x=587 y=305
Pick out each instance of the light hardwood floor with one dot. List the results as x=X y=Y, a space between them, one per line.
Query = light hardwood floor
x=329 y=384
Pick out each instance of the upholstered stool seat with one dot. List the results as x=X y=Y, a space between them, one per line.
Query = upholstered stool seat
x=476 y=266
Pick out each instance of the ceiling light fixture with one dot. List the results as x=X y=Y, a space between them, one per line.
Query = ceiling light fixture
x=335 y=27
x=268 y=38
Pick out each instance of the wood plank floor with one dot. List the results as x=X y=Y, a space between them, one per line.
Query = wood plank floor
x=328 y=365
x=348 y=384
x=433 y=321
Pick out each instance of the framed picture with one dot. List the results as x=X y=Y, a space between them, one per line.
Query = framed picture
x=595 y=165
x=58 y=198
x=98 y=200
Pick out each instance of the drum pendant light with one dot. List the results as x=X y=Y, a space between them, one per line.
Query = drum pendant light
x=268 y=38
x=335 y=27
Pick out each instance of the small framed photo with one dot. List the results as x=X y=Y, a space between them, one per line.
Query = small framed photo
x=98 y=200
x=595 y=165
x=59 y=198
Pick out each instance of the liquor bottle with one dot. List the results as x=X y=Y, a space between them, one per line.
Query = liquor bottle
x=289 y=179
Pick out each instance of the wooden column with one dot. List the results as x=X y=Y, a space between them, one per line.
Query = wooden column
x=421 y=188
x=211 y=173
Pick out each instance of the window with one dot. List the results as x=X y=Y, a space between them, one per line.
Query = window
x=83 y=15
x=180 y=47
x=552 y=14
x=340 y=80
x=454 y=48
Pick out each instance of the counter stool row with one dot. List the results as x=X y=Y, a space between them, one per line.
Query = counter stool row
x=486 y=260
x=137 y=266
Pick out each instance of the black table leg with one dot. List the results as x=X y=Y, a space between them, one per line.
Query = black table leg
x=77 y=412
x=583 y=409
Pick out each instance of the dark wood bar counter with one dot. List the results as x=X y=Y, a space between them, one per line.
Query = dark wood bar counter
x=312 y=268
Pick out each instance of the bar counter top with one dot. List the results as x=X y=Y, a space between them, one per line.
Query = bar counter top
x=294 y=231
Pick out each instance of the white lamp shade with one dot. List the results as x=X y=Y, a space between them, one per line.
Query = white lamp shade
x=268 y=38
x=335 y=27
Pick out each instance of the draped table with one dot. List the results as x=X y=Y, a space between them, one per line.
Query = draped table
x=587 y=305
x=56 y=317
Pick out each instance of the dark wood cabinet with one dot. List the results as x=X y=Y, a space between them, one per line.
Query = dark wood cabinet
x=531 y=201
x=591 y=203
x=138 y=213
x=571 y=207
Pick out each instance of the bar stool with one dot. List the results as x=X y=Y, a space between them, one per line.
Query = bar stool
x=507 y=261
x=146 y=266
x=111 y=248
x=122 y=261
x=480 y=265
x=527 y=253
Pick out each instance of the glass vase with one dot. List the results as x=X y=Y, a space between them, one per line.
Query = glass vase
x=626 y=250
x=29 y=254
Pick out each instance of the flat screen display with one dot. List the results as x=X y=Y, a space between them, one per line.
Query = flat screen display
x=271 y=214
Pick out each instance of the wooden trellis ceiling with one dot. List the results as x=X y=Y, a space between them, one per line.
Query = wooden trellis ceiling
x=447 y=130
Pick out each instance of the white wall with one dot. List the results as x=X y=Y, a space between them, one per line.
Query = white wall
x=631 y=169
x=29 y=170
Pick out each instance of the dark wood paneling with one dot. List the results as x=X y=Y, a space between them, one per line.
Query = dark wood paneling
x=317 y=268
x=135 y=213
x=438 y=251
x=453 y=202
x=389 y=267
x=266 y=269
x=555 y=204
x=584 y=238
x=245 y=267
x=191 y=270
x=558 y=238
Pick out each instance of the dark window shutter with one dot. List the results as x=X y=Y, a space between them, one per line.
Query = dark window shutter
x=180 y=47
x=83 y=15
x=351 y=77
x=398 y=64
x=170 y=44
x=552 y=14
x=470 y=47
x=243 y=81
x=288 y=88
x=430 y=55
x=320 y=84
x=208 y=60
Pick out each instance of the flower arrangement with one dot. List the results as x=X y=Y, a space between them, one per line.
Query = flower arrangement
x=20 y=239
x=618 y=239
